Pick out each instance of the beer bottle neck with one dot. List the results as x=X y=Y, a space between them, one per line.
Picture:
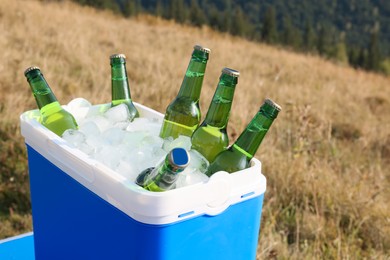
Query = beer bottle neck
x=40 y=89
x=219 y=110
x=249 y=141
x=193 y=79
x=168 y=168
x=120 y=83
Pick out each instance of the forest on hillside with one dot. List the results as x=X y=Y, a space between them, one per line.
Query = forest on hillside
x=353 y=32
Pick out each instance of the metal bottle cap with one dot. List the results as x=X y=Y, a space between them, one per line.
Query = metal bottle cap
x=201 y=48
x=31 y=69
x=118 y=56
x=231 y=72
x=272 y=104
x=179 y=158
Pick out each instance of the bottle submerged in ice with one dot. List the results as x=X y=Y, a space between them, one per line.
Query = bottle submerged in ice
x=53 y=116
x=238 y=156
x=120 y=87
x=183 y=114
x=163 y=177
x=211 y=137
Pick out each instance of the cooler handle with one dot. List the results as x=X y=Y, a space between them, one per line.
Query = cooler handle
x=71 y=158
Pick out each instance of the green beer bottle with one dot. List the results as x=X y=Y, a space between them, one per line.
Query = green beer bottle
x=211 y=138
x=183 y=113
x=164 y=176
x=238 y=155
x=120 y=88
x=53 y=116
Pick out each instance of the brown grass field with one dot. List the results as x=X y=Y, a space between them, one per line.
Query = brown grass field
x=326 y=158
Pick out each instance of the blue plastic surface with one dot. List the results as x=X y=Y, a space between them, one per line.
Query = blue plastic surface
x=71 y=222
x=17 y=248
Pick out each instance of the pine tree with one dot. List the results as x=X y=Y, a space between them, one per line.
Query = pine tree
x=181 y=14
x=159 y=9
x=324 y=43
x=374 y=55
x=138 y=7
x=269 y=31
x=173 y=9
x=197 y=17
x=239 y=23
x=291 y=35
x=353 y=56
x=341 y=52
x=214 y=18
x=363 y=59
x=226 y=19
x=129 y=8
x=309 y=38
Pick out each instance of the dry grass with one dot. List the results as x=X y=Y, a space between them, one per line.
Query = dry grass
x=326 y=158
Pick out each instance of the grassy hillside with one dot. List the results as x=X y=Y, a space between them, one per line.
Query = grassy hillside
x=326 y=158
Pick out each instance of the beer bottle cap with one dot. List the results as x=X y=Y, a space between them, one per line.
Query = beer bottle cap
x=31 y=69
x=231 y=72
x=201 y=48
x=179 y=158
x=272 y=104
x=118 y=56
x=121 y=58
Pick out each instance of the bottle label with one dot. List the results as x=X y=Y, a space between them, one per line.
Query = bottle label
x=120 y=101
x=242 y=151
x=51 y=108
x=174 y=129
x=213 y=131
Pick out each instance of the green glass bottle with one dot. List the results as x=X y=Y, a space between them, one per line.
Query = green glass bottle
x=120 y=88
x=238 y=156
x=182 y=116
x=53 y=116
x=211 y=138
x=163 y=176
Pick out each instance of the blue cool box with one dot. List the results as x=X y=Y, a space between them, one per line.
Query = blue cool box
x=18 y=248
x=84 y=210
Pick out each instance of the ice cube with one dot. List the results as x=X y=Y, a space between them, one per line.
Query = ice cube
x=79 y=108
x=78 y=102
x=101 y=122
x=167 y=144
x=96 y=142
x=190 y=176
x=113 y=136
x=152 y=140
x=89 y=128
x=133 y=139
x=108 y=156
x=195 y=171
x=119 y=113
x=198 y=161
x=138 y=124
x=97 y=110
x=127 y=170
x=182 y=141
x=74 y=137
x=87 y=149
x=122 y=125
x=145 y=157
x=154 y=126
x=158 y=154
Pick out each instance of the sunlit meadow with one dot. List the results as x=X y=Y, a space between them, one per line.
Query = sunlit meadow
x=326 y=158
